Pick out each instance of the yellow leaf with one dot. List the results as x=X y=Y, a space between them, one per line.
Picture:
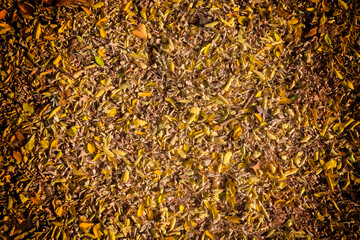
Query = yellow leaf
x=54 y=112
x=350 y=85
x=227 y=158
x=99 y=155
x=99 y=93
x=237 y=133
x=57 y=60
x=328 y=39
x=213 y=24
x=330 y=164
x=86 y=10
x=329 y=181
x=30 y=144
x=140 y=31
x=338 y=74
x=96 y=231
x=127 y=6
x=119 y=152
x=102 y=32
x=291 y=172
x=23 y=198
x=284 y=101
x=109 y=153
x=78 y=172
x=10 y=202
x=224 y=169
x=86 y=225
x=234 y=219
x=54 y=143
x=260 y=75
x=144 y=94
x=293 y=21
x=102 y=21
x=305 y=139
x=143 y=13
x=140 y=210
x=258 y=94
x=98 y=5
x=195 y=110
x=181 y=153
x=59 y=211
x=38 y=31
x=343 y=4
x=111 y=235
x=91 y=147
x=158 y=172
x=28 y=108
x=271 y=136
x=138 y=122
x=281 y=93
x=209 y=234
x=112 y=112
x=258 y=116
x=125 y=176
x=205 y=50
x=229 y=23
x=215 y=212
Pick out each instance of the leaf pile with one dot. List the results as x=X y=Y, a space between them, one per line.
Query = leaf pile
x=179 y=119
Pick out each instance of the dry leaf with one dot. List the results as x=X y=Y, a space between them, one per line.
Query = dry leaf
x=17 y=156
x=140 y=31
x=2 y=14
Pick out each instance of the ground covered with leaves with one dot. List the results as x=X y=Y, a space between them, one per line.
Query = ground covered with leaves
x=179 y=119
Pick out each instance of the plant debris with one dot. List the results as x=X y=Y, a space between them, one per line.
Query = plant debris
x=179 y=119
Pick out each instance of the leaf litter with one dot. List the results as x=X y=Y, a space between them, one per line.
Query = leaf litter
x=179 y=119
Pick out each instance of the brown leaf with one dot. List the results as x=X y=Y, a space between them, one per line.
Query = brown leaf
x=17 y=156
x=19 y=136
x=25 y=9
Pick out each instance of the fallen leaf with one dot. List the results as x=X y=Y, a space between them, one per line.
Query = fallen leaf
x=2 y=14
x=17 y=156
x=140 y=31
x=99 y=61
x=91 y=147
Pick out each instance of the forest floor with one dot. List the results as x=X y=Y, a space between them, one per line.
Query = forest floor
x=179 y=119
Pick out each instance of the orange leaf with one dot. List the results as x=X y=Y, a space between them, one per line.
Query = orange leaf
x=17 y=156
x=140 y=31
x=35 y=200
x=3 y=14
x=256 y=166
x=312 y=32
